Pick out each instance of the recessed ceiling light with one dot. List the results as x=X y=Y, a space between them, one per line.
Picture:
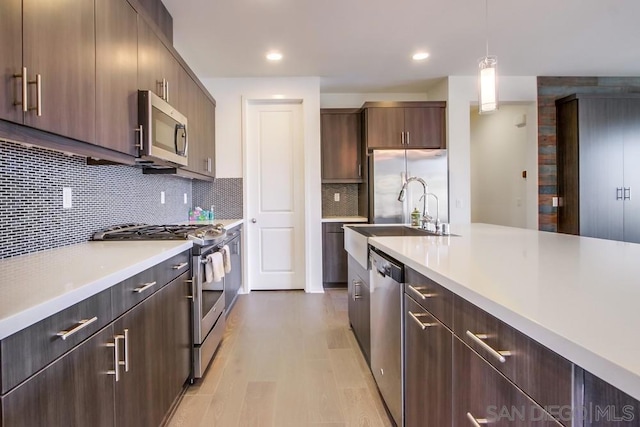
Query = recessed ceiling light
x=420 y=56
x=274 y=56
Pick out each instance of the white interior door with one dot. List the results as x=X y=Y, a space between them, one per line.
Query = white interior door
x=275 y=195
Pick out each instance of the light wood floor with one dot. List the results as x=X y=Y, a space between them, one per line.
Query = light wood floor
x=287 y=359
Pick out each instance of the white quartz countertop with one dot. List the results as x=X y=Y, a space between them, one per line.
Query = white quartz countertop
x=35 y=286
x=345 y=219
x=578 y=296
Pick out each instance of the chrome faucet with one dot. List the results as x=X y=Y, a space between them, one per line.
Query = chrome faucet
x=403 y=190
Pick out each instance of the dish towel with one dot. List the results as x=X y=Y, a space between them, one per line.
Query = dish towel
x=214 y=268
x=226 y=254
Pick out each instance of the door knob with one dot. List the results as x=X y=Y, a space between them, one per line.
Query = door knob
x=253 y=220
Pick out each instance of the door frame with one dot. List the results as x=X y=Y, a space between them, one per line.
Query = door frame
x=312 y=205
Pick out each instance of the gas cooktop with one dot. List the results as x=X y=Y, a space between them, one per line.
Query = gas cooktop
x=203 y=235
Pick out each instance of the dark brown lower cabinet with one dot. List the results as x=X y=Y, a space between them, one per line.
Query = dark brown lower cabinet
x=428 y=370
x=79 y=389
x=334 y=257
x=75 y=390
x=606 y=406
x=359 y=305
x=156 y=359
x=484 y=396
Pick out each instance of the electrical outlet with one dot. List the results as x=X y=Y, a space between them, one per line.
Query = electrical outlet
x=336 y=197
x=185 y=198
x=67 y=198
x=162 y=197
x=554 y=202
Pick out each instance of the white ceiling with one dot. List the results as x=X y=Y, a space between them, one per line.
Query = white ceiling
x=366 y=45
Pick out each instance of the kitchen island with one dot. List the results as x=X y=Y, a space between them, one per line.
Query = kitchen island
x=577 y=296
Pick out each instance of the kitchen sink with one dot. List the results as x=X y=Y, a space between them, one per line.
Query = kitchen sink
x=356 y=238
x=391 y=230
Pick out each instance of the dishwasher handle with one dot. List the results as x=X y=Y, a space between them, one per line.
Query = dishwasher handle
x=386 y=267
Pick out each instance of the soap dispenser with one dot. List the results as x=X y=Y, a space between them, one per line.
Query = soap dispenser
x=415 y=217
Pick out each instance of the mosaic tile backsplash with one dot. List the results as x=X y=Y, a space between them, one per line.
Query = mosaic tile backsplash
x=224 y=194
x=31 y=214
x=348 y=204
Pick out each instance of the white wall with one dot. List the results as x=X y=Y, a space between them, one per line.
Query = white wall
x=498 y=157
x=229 y=95
x=355 y=100
x=461 y=93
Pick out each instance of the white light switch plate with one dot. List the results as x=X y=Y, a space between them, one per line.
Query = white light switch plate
x=67 y=198
x=162 y=197
x=185 y=198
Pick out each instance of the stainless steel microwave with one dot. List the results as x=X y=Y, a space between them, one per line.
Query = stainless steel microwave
x=163 y=132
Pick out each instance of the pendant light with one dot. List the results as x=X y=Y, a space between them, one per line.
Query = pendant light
x=488 y=74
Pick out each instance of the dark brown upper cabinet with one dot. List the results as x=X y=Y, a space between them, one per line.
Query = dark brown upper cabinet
x=341 y=141
x=405 y=124
x=116 y=75
x=11 y=60
x=54 y=66
x=158 y=70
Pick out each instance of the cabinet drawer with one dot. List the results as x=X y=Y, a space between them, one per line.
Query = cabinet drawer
x=430 y=295
x=538 y=371
x=131 y=291
x=26 y=352
x=482 y=394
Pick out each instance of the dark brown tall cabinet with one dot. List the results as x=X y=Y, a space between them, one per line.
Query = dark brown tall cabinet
x=116 y=76
x=405 y=124
x=56 y=44
x=598 y=175
x=341 y=131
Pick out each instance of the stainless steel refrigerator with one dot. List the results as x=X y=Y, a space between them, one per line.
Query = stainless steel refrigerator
x=387 y=174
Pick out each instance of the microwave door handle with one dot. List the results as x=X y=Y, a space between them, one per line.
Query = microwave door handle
x=183 y=135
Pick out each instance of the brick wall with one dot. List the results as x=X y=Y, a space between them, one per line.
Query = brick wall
x=550 y=89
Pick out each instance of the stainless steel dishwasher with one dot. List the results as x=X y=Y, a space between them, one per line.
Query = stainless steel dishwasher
x=387 y=276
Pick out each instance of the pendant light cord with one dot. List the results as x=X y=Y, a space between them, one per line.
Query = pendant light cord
x=486 y=22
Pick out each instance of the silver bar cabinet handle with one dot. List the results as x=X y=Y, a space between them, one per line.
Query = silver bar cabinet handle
x=476 y=422
x=402 y=138
x=208 y=164
x=627 y=193
x=477 y=338
x=144 y=287
x=360 y=170
x=25 y=93
x=38 y=83
x=166 y=85
x=408 y=138
x=180 y=266
x=81 y=325
x=116 y=352
x=140 y=143
x=619 y=193
x=423 y=296
x=125 y=363
x=423 y=325
x=356 y=286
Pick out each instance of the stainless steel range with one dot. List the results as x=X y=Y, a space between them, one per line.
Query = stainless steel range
x=208 y=298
